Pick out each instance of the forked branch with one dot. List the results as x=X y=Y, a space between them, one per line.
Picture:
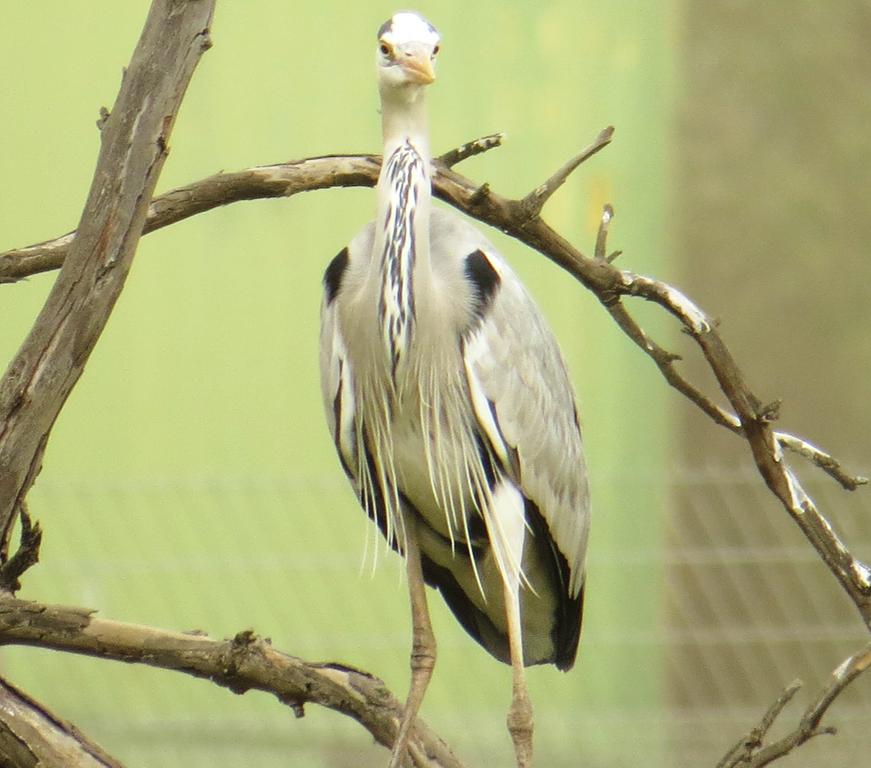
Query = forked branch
x=535 y=200
x=752 y=752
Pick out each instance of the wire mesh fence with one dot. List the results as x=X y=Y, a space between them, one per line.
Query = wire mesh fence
x=749 y=607
x=742 y=607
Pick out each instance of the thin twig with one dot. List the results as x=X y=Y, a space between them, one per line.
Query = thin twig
x=747 y=745
x=602 y=235
x=821 y=459
x=750 y=751
x=454 y=156
x=535 y=200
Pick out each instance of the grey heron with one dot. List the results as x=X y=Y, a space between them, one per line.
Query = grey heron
x=452 y=412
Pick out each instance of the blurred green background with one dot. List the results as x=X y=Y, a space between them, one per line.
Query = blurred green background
x=190 y=482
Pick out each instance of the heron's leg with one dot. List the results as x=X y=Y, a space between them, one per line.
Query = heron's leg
x=520 y=713
x=423 y=644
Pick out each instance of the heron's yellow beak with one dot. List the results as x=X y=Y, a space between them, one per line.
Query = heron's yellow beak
x=417 y=64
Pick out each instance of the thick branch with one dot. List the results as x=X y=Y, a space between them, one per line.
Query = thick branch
x=134 y=146
x=241 y=664
x=32 y=737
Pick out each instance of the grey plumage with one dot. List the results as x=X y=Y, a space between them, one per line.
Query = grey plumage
x=523 y=428
x=450 y=406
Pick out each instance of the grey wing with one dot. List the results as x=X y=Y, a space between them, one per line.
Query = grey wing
x=337 y=386
x=337 y=375
x=524 y=403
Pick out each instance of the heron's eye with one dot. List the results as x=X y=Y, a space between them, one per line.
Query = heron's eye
x=385 y=49
x=436 y=49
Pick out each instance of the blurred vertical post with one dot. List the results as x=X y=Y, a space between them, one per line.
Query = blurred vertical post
x=772 y=201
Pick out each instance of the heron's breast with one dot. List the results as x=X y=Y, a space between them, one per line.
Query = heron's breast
x=433 y=472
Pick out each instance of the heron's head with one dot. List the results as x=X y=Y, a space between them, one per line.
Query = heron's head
x=407 y=47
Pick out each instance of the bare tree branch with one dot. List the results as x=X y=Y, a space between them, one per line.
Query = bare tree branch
x=243 y=663
x=453 y=156
x=32 y=737
x=823 y=460
x=282 y=180
x=134 y=146
x=749 y=752
x=753 y=740
x=751 y=417
x=535 y=200
x=600 y=252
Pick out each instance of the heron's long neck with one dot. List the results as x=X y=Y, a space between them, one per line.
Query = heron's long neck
x=401 y=224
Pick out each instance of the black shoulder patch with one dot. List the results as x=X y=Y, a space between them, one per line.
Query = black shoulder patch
x=484 y=279
x=333 y=275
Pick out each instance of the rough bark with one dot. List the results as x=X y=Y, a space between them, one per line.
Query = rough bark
x=240 y=664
